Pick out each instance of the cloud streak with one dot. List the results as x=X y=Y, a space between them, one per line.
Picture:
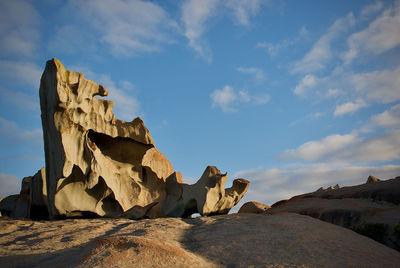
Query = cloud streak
x=380 y=36
x=19 y=28
x=320 y=54
x=227 y=98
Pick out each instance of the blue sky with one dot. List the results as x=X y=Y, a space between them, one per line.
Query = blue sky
x=292 y=95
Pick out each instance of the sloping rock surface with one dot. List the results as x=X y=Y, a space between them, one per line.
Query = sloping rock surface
x=372 y=208
x=236 y=240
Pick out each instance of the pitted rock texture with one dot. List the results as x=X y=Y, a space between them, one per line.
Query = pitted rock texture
x=207 y=196
x=95 y=163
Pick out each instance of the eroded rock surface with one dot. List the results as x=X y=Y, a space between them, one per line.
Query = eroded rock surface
x=253 y=207
x=236 y=240
x=95 y=163
x=207 y=196
x=372 y=209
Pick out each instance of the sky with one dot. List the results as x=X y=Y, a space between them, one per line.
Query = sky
x=291 y=95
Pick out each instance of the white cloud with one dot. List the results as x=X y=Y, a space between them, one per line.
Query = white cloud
x=257 y=73
x=274 y=49
x=129 y=27
x=382 y=86
x=21 y=72
x=9 y=184
x=371 y=9
x=194 y=16
x=388 y=119
x=334 y=92
x=349 y=149
x=227 y=97
x=261 y=99
x=317 y=58
x=350 y=107
x=272 y=185
x=316 y=150
x=244 y=95
x=308 y=82
x=15 y=133
x=21 y=100
x=18 y=28
x=244 y=9
x=224 y=98
x=381 y=35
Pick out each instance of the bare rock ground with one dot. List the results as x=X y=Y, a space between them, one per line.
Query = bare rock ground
x=236 y=240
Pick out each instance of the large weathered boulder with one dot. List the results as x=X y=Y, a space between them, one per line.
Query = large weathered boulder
x=207 y=196
x=253 y=207
x=372 y=209
x=95 y=163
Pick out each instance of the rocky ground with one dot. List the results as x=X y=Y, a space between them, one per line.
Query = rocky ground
x=236 y=240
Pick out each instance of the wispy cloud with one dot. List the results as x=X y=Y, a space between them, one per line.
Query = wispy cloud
x=244 y=9
x=388 y=119
x=350 y=107
x=257 y=73
x=10 y=184
x=381 y=35
x=274 y=49
x=381 y=86
x=353 y=148
x=19 y=28
x=194 y=17
x=226 y=98
x=371 y=9
x=320 y=54
x=308 y=82
x=21 y=100
x=14 y=133
x=21 y=72
x=128 y=27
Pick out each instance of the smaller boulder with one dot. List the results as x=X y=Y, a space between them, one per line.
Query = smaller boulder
x=372 y=179
x=253 y=207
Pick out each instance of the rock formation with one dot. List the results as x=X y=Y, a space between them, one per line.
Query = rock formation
x=207 y=196
x=97 y=165
x=253 y=207
x=372 y=209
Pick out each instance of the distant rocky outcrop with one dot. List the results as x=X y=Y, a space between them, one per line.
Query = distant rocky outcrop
x=253 y=207
x=372 y=209
x=97 y=165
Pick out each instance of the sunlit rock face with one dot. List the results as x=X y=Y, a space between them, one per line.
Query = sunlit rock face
x=99 y=166
x=95 y=163
x=207 y=196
